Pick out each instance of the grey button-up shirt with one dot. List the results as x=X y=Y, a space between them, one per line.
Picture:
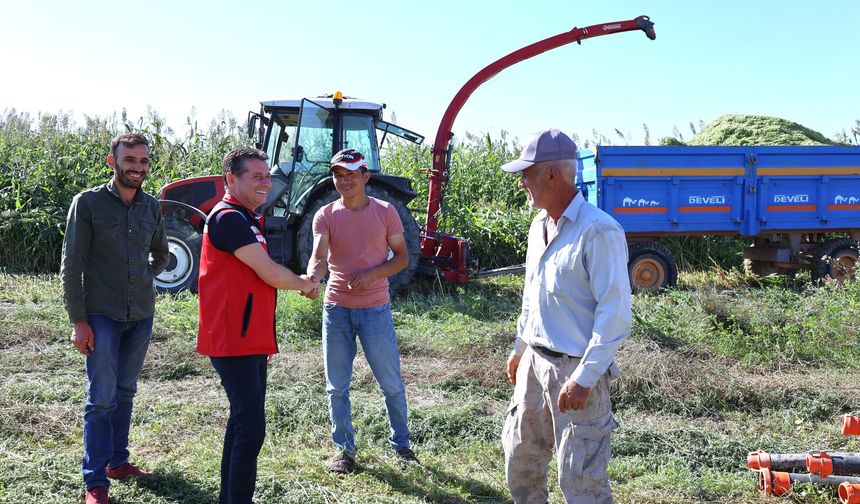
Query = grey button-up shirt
x=111 y=254
x=576 y=298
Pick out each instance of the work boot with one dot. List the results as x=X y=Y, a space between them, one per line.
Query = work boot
x=127 y=470
x=407 y=456
x=97 y=495
x=342 y=464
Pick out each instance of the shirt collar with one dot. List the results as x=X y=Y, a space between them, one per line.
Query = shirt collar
x=572 y=210
x=229 y=198
x=111 y=186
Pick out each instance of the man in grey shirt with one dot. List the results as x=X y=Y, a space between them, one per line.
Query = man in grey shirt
x=575 y=314
x=113 y=248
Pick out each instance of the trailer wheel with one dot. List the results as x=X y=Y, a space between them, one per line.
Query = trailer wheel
x=397 y=282
x=836 y=259
x=651 y=267
x=183 y=242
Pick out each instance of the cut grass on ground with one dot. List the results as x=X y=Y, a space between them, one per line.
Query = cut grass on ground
x=720 y=366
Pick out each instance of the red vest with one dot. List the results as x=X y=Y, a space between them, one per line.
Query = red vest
x=237 y=308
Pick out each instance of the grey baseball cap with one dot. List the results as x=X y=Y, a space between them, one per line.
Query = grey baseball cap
x=549 y=145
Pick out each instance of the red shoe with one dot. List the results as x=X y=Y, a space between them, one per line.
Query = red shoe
x=127 y=470
x=97 y=495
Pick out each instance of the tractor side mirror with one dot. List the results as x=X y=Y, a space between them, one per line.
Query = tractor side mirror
x=298 y=153
x=252 y=124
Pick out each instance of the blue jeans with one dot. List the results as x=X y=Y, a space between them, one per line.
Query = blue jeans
x=112 y=371
x=244 y=380
x=375 y=328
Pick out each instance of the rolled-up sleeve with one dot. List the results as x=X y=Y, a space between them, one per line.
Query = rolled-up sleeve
x=76 y=244
x=605 y=260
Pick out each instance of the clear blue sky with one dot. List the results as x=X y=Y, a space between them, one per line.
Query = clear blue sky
x=792 y=59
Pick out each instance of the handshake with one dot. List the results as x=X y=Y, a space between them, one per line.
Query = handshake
x=310 y=286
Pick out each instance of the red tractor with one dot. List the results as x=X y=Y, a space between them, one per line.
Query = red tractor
x=300 y=136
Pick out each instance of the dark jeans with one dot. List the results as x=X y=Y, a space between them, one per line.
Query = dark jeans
x=244 y=380
x=112 y=372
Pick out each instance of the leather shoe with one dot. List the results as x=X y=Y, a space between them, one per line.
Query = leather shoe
x=127 y=470
x=97 y=495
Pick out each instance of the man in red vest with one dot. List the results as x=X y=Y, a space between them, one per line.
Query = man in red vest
x=237 y=290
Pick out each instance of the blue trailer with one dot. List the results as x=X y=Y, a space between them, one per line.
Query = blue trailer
x=784 y=199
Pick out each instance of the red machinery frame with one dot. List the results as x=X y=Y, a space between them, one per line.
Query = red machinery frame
x=448 y=255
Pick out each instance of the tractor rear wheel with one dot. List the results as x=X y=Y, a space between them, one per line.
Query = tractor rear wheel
x=183 y=243
x=651 y=267
x=837 y=259
x=396 y=283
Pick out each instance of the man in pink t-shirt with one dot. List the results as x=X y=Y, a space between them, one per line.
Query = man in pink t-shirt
x=352 y=239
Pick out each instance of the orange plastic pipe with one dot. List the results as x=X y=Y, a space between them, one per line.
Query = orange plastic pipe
x=774 y=482
x=850 y=425
x=779 y=483
x=777 y=461
x=825 y=464
x=758 y=459
x=820 y=463
x=849 y=493
x=839 y=462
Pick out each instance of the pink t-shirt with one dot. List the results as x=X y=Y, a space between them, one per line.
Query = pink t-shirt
x=358 y=240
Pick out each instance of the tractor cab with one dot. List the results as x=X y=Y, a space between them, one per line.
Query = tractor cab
x=300 y=138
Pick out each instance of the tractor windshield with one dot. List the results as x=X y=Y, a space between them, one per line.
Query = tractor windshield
x=359 y=133
x=301 y=141
x=313 y=152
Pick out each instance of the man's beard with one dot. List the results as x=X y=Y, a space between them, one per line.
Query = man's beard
x=124 y=180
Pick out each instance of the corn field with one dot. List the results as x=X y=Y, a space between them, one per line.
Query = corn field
x=46 y=160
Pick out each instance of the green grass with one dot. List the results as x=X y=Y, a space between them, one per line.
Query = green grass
x=722 y=365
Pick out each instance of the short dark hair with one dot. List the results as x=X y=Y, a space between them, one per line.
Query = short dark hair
x=129 y=140
x=234 y=161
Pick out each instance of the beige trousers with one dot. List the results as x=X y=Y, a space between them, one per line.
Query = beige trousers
x=535 y=426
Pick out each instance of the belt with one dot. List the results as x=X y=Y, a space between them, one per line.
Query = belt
x=550 y=354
